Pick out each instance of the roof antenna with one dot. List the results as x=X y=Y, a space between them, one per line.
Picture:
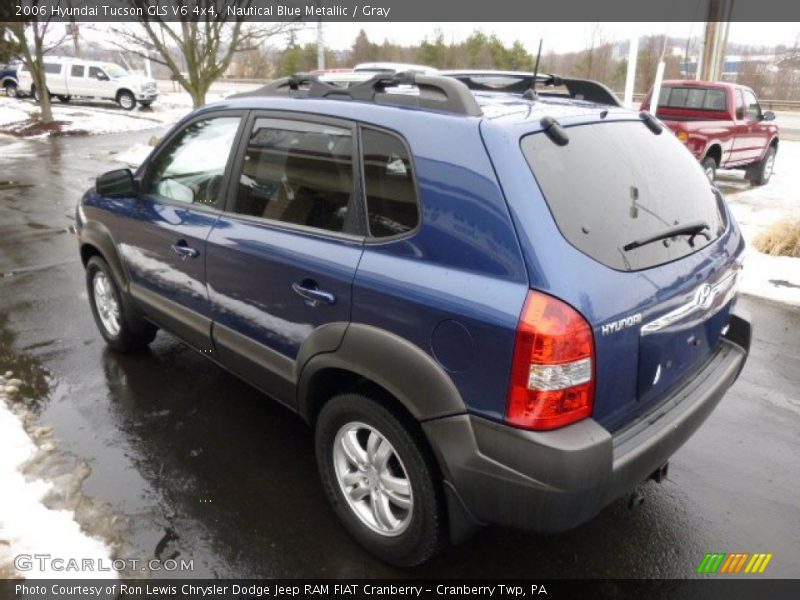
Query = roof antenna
x=531 y=93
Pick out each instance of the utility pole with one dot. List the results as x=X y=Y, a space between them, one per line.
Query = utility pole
x=320 y=47
x=659 y=78
x=716 y=39
x=630 y=76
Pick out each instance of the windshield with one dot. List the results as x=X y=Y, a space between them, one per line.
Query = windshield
x=115 y=71
x=618 y=182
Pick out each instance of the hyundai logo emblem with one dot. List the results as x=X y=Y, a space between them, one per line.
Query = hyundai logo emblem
x=704 y=296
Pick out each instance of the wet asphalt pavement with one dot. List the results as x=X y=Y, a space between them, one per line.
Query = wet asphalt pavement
x=197 y=465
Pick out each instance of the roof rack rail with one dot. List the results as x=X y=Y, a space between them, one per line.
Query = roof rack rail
x=434 y=91
x=521 y=82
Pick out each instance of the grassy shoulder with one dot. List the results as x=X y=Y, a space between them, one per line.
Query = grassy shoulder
x=780 y=239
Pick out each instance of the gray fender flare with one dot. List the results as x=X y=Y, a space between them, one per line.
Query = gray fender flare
x=94 y=233
x=403 y=369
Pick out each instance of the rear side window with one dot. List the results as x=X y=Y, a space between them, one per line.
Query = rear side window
x=300 y=173
x=392 y=207
x=77 y=71
x=615 y=183
x=52 y=68
x=696 y=98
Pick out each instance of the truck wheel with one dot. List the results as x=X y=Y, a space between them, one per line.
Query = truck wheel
x=123 y=330
x=126 y=100
x=709 y=165
x=10 y=89
x=761 y=171
x=145 y=103
x=379 y=480
x=64 y=99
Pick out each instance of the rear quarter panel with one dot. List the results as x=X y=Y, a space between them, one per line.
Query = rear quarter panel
x=456 y=286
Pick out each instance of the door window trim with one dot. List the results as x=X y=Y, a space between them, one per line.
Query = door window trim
x=144 y=171
x=236 y=166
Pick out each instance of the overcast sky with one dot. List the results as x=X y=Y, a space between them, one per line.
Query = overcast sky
x=558 y=37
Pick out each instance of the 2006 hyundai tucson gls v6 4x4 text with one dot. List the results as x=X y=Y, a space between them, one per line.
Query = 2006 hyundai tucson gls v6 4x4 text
x=493 y=306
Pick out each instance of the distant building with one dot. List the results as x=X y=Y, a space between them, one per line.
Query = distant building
x=733 y=65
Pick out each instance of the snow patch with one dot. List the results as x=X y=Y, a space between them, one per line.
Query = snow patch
x=27 y=526
x=776 y=278
x=90 y=117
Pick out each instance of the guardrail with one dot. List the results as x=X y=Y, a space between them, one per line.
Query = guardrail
x=780 y=104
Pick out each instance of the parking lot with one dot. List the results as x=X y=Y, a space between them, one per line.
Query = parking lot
x=176 y=458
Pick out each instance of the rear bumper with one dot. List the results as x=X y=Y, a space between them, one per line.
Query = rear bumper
x=552 y=481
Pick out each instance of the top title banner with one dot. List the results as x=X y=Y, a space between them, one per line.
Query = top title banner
x=401 y=10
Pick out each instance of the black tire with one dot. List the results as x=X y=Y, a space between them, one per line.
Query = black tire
x=425 y=532
x=145 y=103
x=64 y=99
x=133 y=332
x=760 y=172
x=126 y=100
x=709 y=164
x=11 y=89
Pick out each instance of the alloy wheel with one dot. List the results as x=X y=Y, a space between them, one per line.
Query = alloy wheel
x=373 y=479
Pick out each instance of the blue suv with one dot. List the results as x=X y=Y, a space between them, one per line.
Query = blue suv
x=494 y=305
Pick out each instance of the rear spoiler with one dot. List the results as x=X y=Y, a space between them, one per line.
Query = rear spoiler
x=519 y=82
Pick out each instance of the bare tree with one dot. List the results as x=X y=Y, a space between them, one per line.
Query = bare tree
x=31 y=38
x=196 y=50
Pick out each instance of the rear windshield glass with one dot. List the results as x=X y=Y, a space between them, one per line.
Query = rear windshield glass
x=695 y=98
x=617 y=183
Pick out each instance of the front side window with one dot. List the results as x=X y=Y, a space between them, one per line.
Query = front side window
x=392 y=207
x=97 y=73
x=752 y=106
x=299 y=173
x=191 y=168
x=115 y=71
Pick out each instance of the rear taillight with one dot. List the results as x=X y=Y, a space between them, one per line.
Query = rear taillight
x=552 y=375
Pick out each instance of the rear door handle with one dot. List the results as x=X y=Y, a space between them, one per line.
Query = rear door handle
x=185 y=251
x=310 y=292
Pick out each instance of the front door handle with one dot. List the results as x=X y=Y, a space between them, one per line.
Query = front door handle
x=310 y=292
x=185 y=251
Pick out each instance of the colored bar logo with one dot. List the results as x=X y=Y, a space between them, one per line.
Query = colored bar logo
x=737 y=562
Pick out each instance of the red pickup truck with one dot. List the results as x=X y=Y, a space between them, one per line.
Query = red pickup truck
x=722 y=124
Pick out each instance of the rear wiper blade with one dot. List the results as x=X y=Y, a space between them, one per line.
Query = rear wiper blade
x=692 y=229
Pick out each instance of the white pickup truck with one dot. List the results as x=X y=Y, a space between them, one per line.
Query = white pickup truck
x=68 y=77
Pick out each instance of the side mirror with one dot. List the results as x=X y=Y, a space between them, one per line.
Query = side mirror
x=768 y=116
x=116 y=184
x=102 y=77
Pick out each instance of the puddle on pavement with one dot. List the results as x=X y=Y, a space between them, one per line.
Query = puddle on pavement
x=35 y=377
x=25 y=385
